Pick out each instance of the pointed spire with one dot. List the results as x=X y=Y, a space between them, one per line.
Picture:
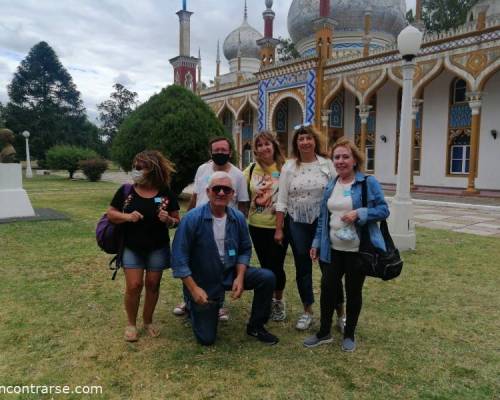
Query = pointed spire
x=199 y=53
x=245 y=15
x=218 y=51
x=184 y=5
x=239 y=44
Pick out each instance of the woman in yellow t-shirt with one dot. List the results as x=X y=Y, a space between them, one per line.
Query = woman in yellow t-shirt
x=263 y=178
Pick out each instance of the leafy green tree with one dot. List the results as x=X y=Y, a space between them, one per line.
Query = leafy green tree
x=68 y=158
x=443 y=15
x=2 y=115
x=286 y=50
x=175 y=122
x=113 y=112
x=44 y=100
x=93 y=168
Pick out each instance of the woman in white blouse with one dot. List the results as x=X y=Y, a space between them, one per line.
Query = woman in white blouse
x=301 y=186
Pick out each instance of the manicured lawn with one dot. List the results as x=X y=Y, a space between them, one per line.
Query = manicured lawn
x=431 y=334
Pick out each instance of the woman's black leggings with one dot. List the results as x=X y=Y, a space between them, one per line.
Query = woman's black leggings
x=343 y=263
x=270 y=254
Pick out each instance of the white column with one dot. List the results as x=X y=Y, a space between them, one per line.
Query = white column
x=401 y=220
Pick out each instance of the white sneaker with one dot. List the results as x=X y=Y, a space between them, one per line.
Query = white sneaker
x=180 y=309
x=341 y=324
x=278 y=312
x=304 y=322
x=223 y=314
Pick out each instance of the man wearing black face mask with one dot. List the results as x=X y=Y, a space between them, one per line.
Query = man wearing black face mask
x=220 y=154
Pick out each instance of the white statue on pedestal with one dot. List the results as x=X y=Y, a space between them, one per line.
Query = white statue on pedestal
x=14 y=201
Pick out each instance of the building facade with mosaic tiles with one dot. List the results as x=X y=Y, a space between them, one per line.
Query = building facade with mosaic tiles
x=348 y=83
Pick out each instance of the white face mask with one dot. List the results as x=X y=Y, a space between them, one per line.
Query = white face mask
x=137 y=176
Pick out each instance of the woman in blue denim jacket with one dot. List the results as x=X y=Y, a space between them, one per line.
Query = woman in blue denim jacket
x=337 y=239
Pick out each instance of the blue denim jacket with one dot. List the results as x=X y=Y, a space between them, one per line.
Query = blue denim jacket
x=195 y=254
x=377 y=210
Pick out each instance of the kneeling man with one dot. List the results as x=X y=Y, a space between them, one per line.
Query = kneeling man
x=211 y=254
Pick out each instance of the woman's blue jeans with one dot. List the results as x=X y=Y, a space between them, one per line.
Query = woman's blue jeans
x=301 y=236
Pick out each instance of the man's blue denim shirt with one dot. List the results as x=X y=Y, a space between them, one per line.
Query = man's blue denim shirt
x=377 y=210
x=195 y=254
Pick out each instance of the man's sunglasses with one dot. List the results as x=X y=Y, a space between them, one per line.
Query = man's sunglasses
x=226 y=189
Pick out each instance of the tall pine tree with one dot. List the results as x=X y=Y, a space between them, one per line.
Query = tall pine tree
x=45 y=101
x=113 y=112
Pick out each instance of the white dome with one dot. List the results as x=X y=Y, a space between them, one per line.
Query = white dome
x=388 y=18
x=248 y=37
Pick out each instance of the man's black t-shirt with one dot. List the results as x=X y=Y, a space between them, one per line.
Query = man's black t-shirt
x=149 y=233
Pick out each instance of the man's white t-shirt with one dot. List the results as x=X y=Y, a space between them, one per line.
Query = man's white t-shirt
x=219 y=227
x=203 y=174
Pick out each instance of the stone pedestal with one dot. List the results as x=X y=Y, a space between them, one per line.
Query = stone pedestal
x=402 y=225
x=14 y=201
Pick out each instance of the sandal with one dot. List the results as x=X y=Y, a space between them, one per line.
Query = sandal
x=131 y=334
x=152 y=330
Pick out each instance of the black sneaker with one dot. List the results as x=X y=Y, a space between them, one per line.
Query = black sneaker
x=262 y=335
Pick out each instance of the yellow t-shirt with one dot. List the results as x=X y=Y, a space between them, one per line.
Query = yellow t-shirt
x=263 y=195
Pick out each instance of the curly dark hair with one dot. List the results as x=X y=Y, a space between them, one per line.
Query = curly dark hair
x=160 y=169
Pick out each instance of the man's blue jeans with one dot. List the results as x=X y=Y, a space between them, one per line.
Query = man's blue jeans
x=205 y=318
x=301 y=236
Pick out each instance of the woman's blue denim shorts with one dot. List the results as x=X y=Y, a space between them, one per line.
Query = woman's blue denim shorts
x=155 y=260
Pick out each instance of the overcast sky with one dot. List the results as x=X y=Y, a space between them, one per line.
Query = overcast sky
x=101 y=42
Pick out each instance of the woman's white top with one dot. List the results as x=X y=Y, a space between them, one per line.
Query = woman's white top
x=339 y=204
x=301 y=188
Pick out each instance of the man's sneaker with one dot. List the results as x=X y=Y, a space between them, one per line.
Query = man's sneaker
x=180 y=309
x=304 y=322
x=314 y=340
x=348 y=344
x=341 y=324
x=262 y=335
x=223 y=314
x=278 y=312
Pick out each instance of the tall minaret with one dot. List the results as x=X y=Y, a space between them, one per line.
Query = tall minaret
x=185 y=65
x=268 y=44
x=199 y=71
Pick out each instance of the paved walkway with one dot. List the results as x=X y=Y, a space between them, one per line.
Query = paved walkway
x=475 y=215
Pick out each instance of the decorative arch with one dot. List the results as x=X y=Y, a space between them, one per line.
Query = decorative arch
x=332 y=89
x=425 y=73
x=460 y=73
x=364 y=85
x=224 y=108
x=228 y=125
x=485 y=75
x=236 y=104
x=246 y=103
x=275 y=98
x=217 y=107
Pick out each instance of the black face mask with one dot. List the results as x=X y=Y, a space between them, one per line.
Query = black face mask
x=220 y=158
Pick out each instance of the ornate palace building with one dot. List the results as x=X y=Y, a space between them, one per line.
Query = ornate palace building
x=348 y=82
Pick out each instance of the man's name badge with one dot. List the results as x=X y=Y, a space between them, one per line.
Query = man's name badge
x=232 y=252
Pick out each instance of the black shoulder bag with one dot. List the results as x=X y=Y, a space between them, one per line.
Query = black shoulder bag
x=374 y=262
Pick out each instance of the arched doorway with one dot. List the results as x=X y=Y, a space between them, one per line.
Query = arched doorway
x=287 y=115
x=227 y=120
x=336 y=119
x=247 y=124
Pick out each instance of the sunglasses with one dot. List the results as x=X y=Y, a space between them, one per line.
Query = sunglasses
x=226 y=189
